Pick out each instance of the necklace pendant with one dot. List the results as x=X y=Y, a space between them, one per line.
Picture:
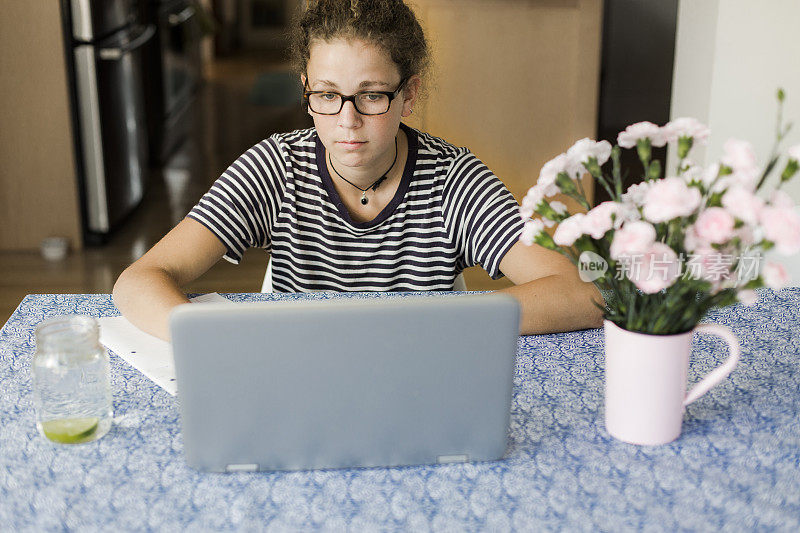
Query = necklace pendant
x=364 y=200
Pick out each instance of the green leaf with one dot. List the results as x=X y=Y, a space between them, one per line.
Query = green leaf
x=544 y=239
x=789 y=171
x=644 y=151
x=684 y=145
x=549 y=213
x=566 y=184
x=715 y=200
x=654 y=172
x=593 y=167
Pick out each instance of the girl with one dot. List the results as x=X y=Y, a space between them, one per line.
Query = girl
x=360 y=202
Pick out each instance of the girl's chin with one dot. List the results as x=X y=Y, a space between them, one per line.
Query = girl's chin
x=350 y=159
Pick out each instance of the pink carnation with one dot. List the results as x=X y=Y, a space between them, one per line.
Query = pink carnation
x=742 y=204
x=641 y=130
x=626 y=213
x=670 y=198
x=711 y=177
x=782 y=226
x=598 y=220
x=741 y=158
x=550 y=171
x=530 y=231
x=781 y=198
x=709 y=264
x=693 y=174
x=636 y=193
x=794 y=152
x=738 y=154
x=569 y=230
x=531 y=201
x=714 y=225
x=691 y=241
x=775 y=275
x=633 y=238
x=749 y=235
x=580 y=152
x=686 y=127
x=558 y=207
x=747 y=296
x=656 y=269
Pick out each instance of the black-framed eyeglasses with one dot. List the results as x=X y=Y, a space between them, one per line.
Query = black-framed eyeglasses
x=365 y=102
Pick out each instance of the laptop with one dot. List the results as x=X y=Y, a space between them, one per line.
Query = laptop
x=348 y=382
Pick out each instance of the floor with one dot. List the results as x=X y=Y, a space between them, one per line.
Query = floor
x=225 y=124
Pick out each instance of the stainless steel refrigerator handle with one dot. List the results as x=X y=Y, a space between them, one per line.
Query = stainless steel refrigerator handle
x=115 y=54
x=180 y=18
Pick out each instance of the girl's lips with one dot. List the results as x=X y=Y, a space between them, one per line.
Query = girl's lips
x=351 y=145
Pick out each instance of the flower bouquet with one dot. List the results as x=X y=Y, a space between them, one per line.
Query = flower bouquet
x=671 y=247
x=663 y=253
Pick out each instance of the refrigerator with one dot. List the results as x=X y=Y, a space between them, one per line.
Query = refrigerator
x=104 y=57
x=172 y=73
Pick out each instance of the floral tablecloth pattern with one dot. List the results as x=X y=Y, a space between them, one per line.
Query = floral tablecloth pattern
x=735 y=467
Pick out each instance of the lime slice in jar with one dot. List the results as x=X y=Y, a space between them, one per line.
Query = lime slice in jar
x=70 y=430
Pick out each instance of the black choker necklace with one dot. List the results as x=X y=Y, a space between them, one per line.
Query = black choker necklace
x=374 y=186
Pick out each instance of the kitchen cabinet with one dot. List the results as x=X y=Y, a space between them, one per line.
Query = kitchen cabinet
x=38 y=189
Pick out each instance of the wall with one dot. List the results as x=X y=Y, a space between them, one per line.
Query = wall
x=516 y=81
x=38 y=190
x=731 y=55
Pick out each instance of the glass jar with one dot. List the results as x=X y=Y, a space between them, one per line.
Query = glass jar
x=71 y=389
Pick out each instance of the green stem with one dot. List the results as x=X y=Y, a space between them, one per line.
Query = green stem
x=616 y=170
x=579 y=182
x=780 y=133
x=601 y=179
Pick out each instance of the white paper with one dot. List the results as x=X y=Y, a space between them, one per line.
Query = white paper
x=210 y=298
x=148 y=354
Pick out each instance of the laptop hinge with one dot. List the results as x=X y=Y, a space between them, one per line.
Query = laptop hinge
x=457 y=458
x=241 y=467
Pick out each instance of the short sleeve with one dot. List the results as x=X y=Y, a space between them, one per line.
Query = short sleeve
x=243 y=203
x=481 y=213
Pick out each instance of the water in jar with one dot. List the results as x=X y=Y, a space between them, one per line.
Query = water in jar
x=71 y=384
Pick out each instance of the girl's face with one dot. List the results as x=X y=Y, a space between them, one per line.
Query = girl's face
x=363 y=142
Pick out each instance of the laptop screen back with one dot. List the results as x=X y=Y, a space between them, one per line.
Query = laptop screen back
x=345 y=382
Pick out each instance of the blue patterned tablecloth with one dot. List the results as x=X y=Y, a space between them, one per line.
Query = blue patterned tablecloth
x=735 y=467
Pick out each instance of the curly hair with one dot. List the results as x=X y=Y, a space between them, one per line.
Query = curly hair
x=389 y=24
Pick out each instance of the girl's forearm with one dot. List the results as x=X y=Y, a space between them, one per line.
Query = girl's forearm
x=557 y=303
x=145 y=296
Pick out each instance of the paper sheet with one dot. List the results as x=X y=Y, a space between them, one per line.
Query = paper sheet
x=148 y=354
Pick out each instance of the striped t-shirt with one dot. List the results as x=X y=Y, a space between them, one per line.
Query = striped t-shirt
x=450 y=212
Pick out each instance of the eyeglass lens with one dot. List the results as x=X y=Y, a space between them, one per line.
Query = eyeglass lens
x=366 y=103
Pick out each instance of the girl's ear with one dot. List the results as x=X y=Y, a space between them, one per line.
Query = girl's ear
x=410 y=93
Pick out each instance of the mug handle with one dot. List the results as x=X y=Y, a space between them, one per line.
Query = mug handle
x=722 y=371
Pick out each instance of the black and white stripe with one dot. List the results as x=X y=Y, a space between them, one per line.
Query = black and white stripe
x=450 y=212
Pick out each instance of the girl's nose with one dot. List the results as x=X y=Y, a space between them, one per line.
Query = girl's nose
x=349 y=117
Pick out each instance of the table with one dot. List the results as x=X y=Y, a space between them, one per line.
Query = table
x=735 y=467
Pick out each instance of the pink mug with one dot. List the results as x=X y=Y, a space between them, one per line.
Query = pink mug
x=645 y=381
